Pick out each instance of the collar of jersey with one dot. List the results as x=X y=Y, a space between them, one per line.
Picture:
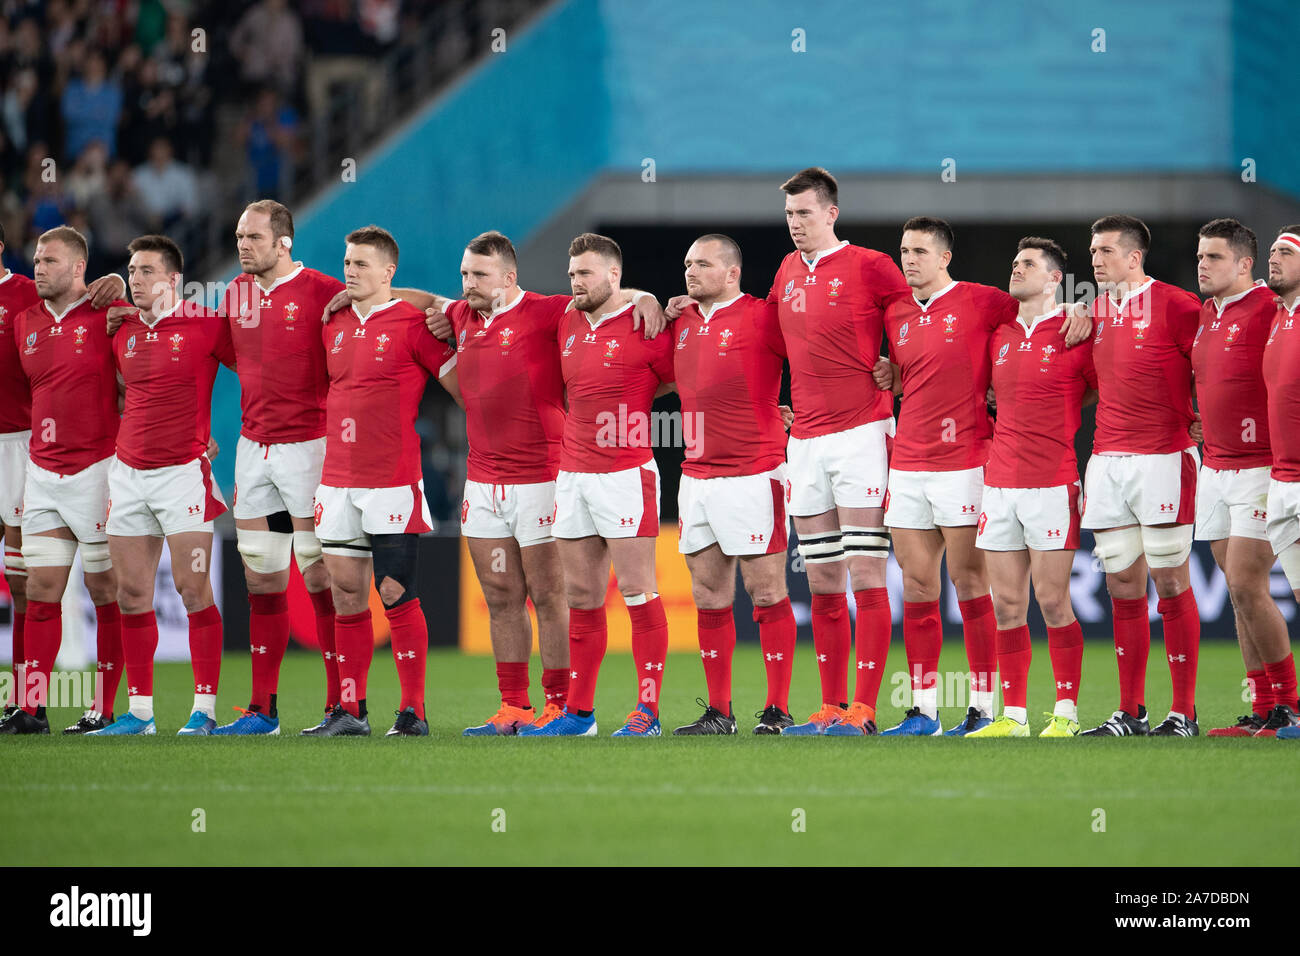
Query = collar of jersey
x=297 y=267
x=1290 y=309
x=487 y=321
x=60 y=316
x=1228 y=300
x=162 y=315
x=930 y=302
x=1119 y=306
x=1038 y=319
x=718 y=307
x=6 y=277
x=608 y=315
x=371 y=314
x=812 y=266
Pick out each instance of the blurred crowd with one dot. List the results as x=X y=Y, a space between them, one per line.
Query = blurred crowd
x=126 y=116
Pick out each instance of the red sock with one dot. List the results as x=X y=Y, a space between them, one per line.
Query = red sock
x=354 y=636
x=922 y=639
x=322 y=603
x=588 y=637
x=717 y=646
x=1261 y=694
x=776 y=635
x=139 y=643
x=1014 y=655
x=42 y=640
x=411 y=651
x=19 y=655
x=205 y=649
x=555 y=683
x=872 y=633
x=268 y=637
x=1065 y=645
x=1132 y=645
x=109 y=657
x=649 y=648
x=1182 y=647
x=980 y=630
x=832 y=639
x=1280 y=678
x=512 y=681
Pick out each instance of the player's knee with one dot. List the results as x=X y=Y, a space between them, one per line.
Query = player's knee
x=1009 y=612
x=503 y=597
x=395 y=560
x=264 y=552
x=306 y=551
x=1055 y=605
x=709 y=598
x=134 y=597
x=920 y=587
x=1167 y=548
x=766 y=593
x=1119 y=549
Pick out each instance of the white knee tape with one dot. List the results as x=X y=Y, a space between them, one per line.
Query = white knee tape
x=1290 y=558
x=1117 y=550
x=266 y=552
x=870 y=542
x=42 y=551
x=306 y=549
x=355 y=548
x=95 y=558
x=14 y=563
x=824 y=548
x=1167 y=547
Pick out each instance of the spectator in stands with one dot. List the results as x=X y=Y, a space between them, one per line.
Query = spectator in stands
x=168 y=188
x=88 y=176
x=268 y=44
x=117 y=214
x=270 y=136
x=92 y=107
x=151 y=112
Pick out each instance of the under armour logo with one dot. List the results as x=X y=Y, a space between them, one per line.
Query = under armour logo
x=1261 y=515
x=104 y=665
x=872 y=492
x=132 y=690
x=755 y=537
x=1054 y=533
x=624 y=522
x=1006 y=685
x=258 y=649
x=1064 y=685
x=30 y=663
x=1177 y=658
x=1167 y=507
x=869 y=665
x=329 y=655
x=341 y=658
x=408 y=655
x=194 y=509
x=708 y=654
x=1119 y=652
x=821 y=658
x=653 y=667
x=968 y=509
x=394 y=519
x=203 y=688
x=573 y=675
x=774 y=657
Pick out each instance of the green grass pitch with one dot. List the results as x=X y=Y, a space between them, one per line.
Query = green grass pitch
x=745 y=800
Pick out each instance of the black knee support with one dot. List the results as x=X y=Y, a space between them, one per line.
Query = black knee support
x=396 y=556
x=281 y=522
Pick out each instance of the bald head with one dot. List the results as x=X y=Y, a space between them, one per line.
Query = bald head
x=713 y=269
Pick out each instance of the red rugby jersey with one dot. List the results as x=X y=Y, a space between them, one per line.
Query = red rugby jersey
x=68 y=359
x=378 y=367
x=168 y=368
x=1039 y=386
x=1227 y=363
x=1142 y=348
x=942 y=350
x=831 y=313
x=611 y=374
x=512 y=386
x=728 y=368
x=1281 y=362
x=276 y=331
x=17 y=294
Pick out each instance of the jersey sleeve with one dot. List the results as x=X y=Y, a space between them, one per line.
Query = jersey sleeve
x=224 y=345
x=882 y=276
x=769 y=325
x=1184 y=316
x=661 y=357
x=1087 y=368
x=772 y=296
x=437 y=356
x=997 y=307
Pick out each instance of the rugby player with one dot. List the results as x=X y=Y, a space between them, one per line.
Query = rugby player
x=1232 y=487
x=370 y=505
x=1140 y=485
x=1281 y=360
x=1029 y=519
x=160 y=484
x=731 y=503
x=607 y=487
x=67 y=358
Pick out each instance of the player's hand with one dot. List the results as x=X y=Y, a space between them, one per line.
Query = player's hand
x=990 y=399
x=882 y=373
x=438 y=323
x=1078 y=326
x=677 y=305
x=117 y=315
x=105 y=289
x=339 y=301
x=787 y=415
x=648 y=310
x=213 y=449
x=1195 y=429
